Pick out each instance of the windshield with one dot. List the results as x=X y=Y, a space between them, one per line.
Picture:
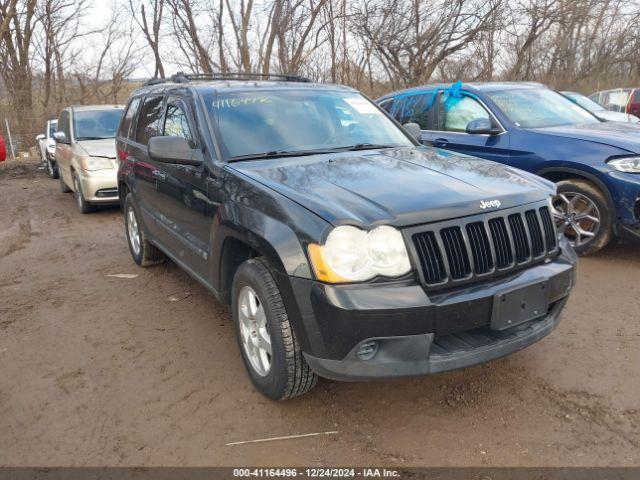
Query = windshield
x=96 y=124
x=290 y=121
x=53 y=124
x=585 y=102
x=539 y=107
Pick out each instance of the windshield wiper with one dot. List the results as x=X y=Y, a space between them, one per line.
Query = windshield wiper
x=365 y=146
x=80 y=139
x=280 y=154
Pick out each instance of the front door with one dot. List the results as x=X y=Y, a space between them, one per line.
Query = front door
x=183 y=205
x=64 y=151
x=450 y=124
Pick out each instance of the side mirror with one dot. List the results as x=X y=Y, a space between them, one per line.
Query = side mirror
x=482 y=126
x=414 y=130
x=169 y=149
x=60 y=137
x=40 y=137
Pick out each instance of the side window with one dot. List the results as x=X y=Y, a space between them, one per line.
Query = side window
x=414 y=108
x=457 y=113
x=64 y=124
x=148 y=125
x=176 y=123
x=125 y=124
x=387 y=105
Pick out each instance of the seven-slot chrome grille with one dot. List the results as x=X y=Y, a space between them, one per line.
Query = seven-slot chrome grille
x=453 y=252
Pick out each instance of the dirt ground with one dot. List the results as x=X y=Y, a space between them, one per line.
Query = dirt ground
x=97 y=370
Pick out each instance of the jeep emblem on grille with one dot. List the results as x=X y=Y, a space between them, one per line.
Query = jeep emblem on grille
x=484 y=204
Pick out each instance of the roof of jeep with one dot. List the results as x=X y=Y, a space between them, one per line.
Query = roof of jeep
x=213 y=86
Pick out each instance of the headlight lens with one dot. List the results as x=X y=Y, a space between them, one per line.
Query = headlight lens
x=627 y=164
x=95 y=163
x=353 y=255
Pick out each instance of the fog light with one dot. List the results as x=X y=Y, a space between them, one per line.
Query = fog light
x=367 y=350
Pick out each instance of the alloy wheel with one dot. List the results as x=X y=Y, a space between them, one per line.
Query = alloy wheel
x=577 y=217
x=254 y=331
x=133 y=231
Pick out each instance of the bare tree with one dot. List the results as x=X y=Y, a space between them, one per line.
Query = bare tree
x=150 y=26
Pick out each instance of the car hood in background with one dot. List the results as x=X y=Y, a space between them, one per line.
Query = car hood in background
x=616 y=134
x=616 y=116
x=99 y=148
x=400 y=186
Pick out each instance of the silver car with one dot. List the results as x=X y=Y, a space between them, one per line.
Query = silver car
x=86 y=153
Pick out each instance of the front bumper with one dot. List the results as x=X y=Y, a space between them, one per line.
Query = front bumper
x=100 y=186
x=625 y=190
x=420 y=333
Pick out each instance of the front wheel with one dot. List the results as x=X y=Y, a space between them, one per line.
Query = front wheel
x=83 y=205
x=583 y=215
x=269 y=346
x=52 y=168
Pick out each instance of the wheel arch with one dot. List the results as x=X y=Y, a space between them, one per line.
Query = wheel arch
x=557 y=174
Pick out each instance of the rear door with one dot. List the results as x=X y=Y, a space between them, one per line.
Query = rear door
x=452 y=115
x=182 y=202
x=145 y=170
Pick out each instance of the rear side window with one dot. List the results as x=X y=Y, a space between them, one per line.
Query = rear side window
x=414 y=109
x=149 y=125
x=127 y=118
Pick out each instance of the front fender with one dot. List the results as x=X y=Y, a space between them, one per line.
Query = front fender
x=264 y=234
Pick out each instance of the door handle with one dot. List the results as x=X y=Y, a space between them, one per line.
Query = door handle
x=440 y=142
x=159 y=174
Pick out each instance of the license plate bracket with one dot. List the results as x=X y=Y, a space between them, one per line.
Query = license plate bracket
x=519 y=305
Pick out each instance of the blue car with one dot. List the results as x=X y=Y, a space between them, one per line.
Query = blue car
x=595 y=164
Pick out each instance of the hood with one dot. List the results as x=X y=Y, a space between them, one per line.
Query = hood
x=99 y=148
x=401 y=187
x=621 y=135
x=616 y=116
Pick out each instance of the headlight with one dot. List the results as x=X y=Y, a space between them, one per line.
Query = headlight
x=95 y=163
x=627 y=164
x=353 y=255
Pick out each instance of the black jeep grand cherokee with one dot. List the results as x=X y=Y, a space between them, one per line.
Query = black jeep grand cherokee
x=345 y=249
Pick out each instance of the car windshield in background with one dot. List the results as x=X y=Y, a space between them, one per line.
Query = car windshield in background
x=52 y=128
x=96 y=124
x=539 y=107
x=586 y=102
x=290 y=122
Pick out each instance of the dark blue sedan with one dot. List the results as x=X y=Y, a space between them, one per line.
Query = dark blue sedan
x=595 y=164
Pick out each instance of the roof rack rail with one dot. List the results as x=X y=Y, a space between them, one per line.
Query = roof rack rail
x=181 y=77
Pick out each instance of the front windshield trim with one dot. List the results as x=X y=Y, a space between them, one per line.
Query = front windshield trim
x=402 y=139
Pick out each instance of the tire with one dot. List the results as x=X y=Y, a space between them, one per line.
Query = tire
x=63 y=186
x=600 y=234
x=52 y=168
x=288 y=374
x=144 y=253
x=83 y=205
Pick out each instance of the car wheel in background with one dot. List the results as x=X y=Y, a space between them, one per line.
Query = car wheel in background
x=83 y=205
x=63 y=186
x=268 y=344
x=52 y=168
x=583 y=215
x=144 y=253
